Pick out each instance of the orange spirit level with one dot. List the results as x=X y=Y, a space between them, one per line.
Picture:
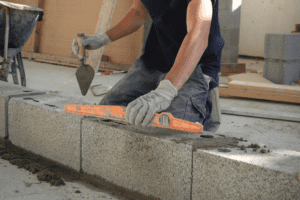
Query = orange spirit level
x=163 y=120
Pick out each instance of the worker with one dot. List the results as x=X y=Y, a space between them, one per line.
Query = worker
x=178 y=70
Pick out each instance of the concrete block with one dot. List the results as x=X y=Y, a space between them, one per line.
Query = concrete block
x=230 y=18
x=230 y=55
x=225 y=19
x=231 y=37
x=137 y=161
x=225 y=5
x=274 y=71
x=7 y=91
x=282 y=46
x=282 y=72
x=251 y=175
x=39 y=124
x=219 y=177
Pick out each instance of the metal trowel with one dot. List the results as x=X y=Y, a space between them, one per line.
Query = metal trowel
x=85 y=73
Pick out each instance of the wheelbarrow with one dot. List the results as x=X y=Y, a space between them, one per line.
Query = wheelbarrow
x=17 y=23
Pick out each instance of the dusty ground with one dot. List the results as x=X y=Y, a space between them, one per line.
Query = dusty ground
x=27 y=176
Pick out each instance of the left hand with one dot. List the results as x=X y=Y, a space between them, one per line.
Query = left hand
x=144 y=108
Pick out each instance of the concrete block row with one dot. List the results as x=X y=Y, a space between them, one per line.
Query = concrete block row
x=148 y=161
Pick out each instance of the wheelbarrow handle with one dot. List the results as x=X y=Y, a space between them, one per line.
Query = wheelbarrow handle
x=80 y=36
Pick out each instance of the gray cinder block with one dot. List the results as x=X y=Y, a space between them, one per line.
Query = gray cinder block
x=282 y=46
x=8 y=91
x=229 y=55
x=282 y=58
x=138 y=162
x=282 y=72
x=218 y=177
x=229 y=19
x=39 y=124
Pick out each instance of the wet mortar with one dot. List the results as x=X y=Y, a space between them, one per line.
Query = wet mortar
x=197 y=141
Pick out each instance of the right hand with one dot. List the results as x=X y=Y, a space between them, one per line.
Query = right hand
x=91 y=42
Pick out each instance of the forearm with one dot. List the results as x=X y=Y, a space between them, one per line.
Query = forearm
x=130 y=23
x=188 y=56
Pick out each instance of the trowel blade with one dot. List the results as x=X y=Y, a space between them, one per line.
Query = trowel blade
x=85 y=75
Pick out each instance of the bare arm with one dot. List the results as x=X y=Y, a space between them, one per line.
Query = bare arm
x=131 y=22
x=199 y=16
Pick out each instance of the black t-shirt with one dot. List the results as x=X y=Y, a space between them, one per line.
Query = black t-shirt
x=168 y=32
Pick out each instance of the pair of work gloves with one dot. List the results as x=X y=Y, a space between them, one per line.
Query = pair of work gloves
x=141 y=110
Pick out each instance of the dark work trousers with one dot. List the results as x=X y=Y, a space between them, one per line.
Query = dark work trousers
x=192 y=103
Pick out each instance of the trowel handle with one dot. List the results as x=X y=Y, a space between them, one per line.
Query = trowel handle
x=80 y=36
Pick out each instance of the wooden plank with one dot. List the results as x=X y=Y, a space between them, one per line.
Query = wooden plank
x=231 y=74
x=298 y=82
x=73 y=62
x=48 y=57
x=57 y=63
x=54 y=58
x=103 y=25
x=233 y=67
x=252 y=77
x=266 y=114
x=230 y=92
x=104 y=66
x=265 y=87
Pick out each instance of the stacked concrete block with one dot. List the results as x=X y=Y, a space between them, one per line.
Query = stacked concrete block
x=138 y=162
x=8 y=91
x=40 y=124
x=229 y=18
x=282 y=58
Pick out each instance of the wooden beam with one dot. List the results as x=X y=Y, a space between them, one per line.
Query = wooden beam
x=54 y=58
x=233 y=67
x=266 y=114
x=73 y=62
x=48 y=57
x=231 y=92
x=265 y=87
x=247 y=71
x=103 y=25
x=252 y=77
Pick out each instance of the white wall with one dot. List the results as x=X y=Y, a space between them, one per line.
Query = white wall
x=259 y=17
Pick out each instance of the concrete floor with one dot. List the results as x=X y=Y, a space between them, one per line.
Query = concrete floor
x=19 y=184
x=62 y=80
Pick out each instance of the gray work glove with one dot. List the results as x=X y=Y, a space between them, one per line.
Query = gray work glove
x=144 y=108
x=91 y=42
